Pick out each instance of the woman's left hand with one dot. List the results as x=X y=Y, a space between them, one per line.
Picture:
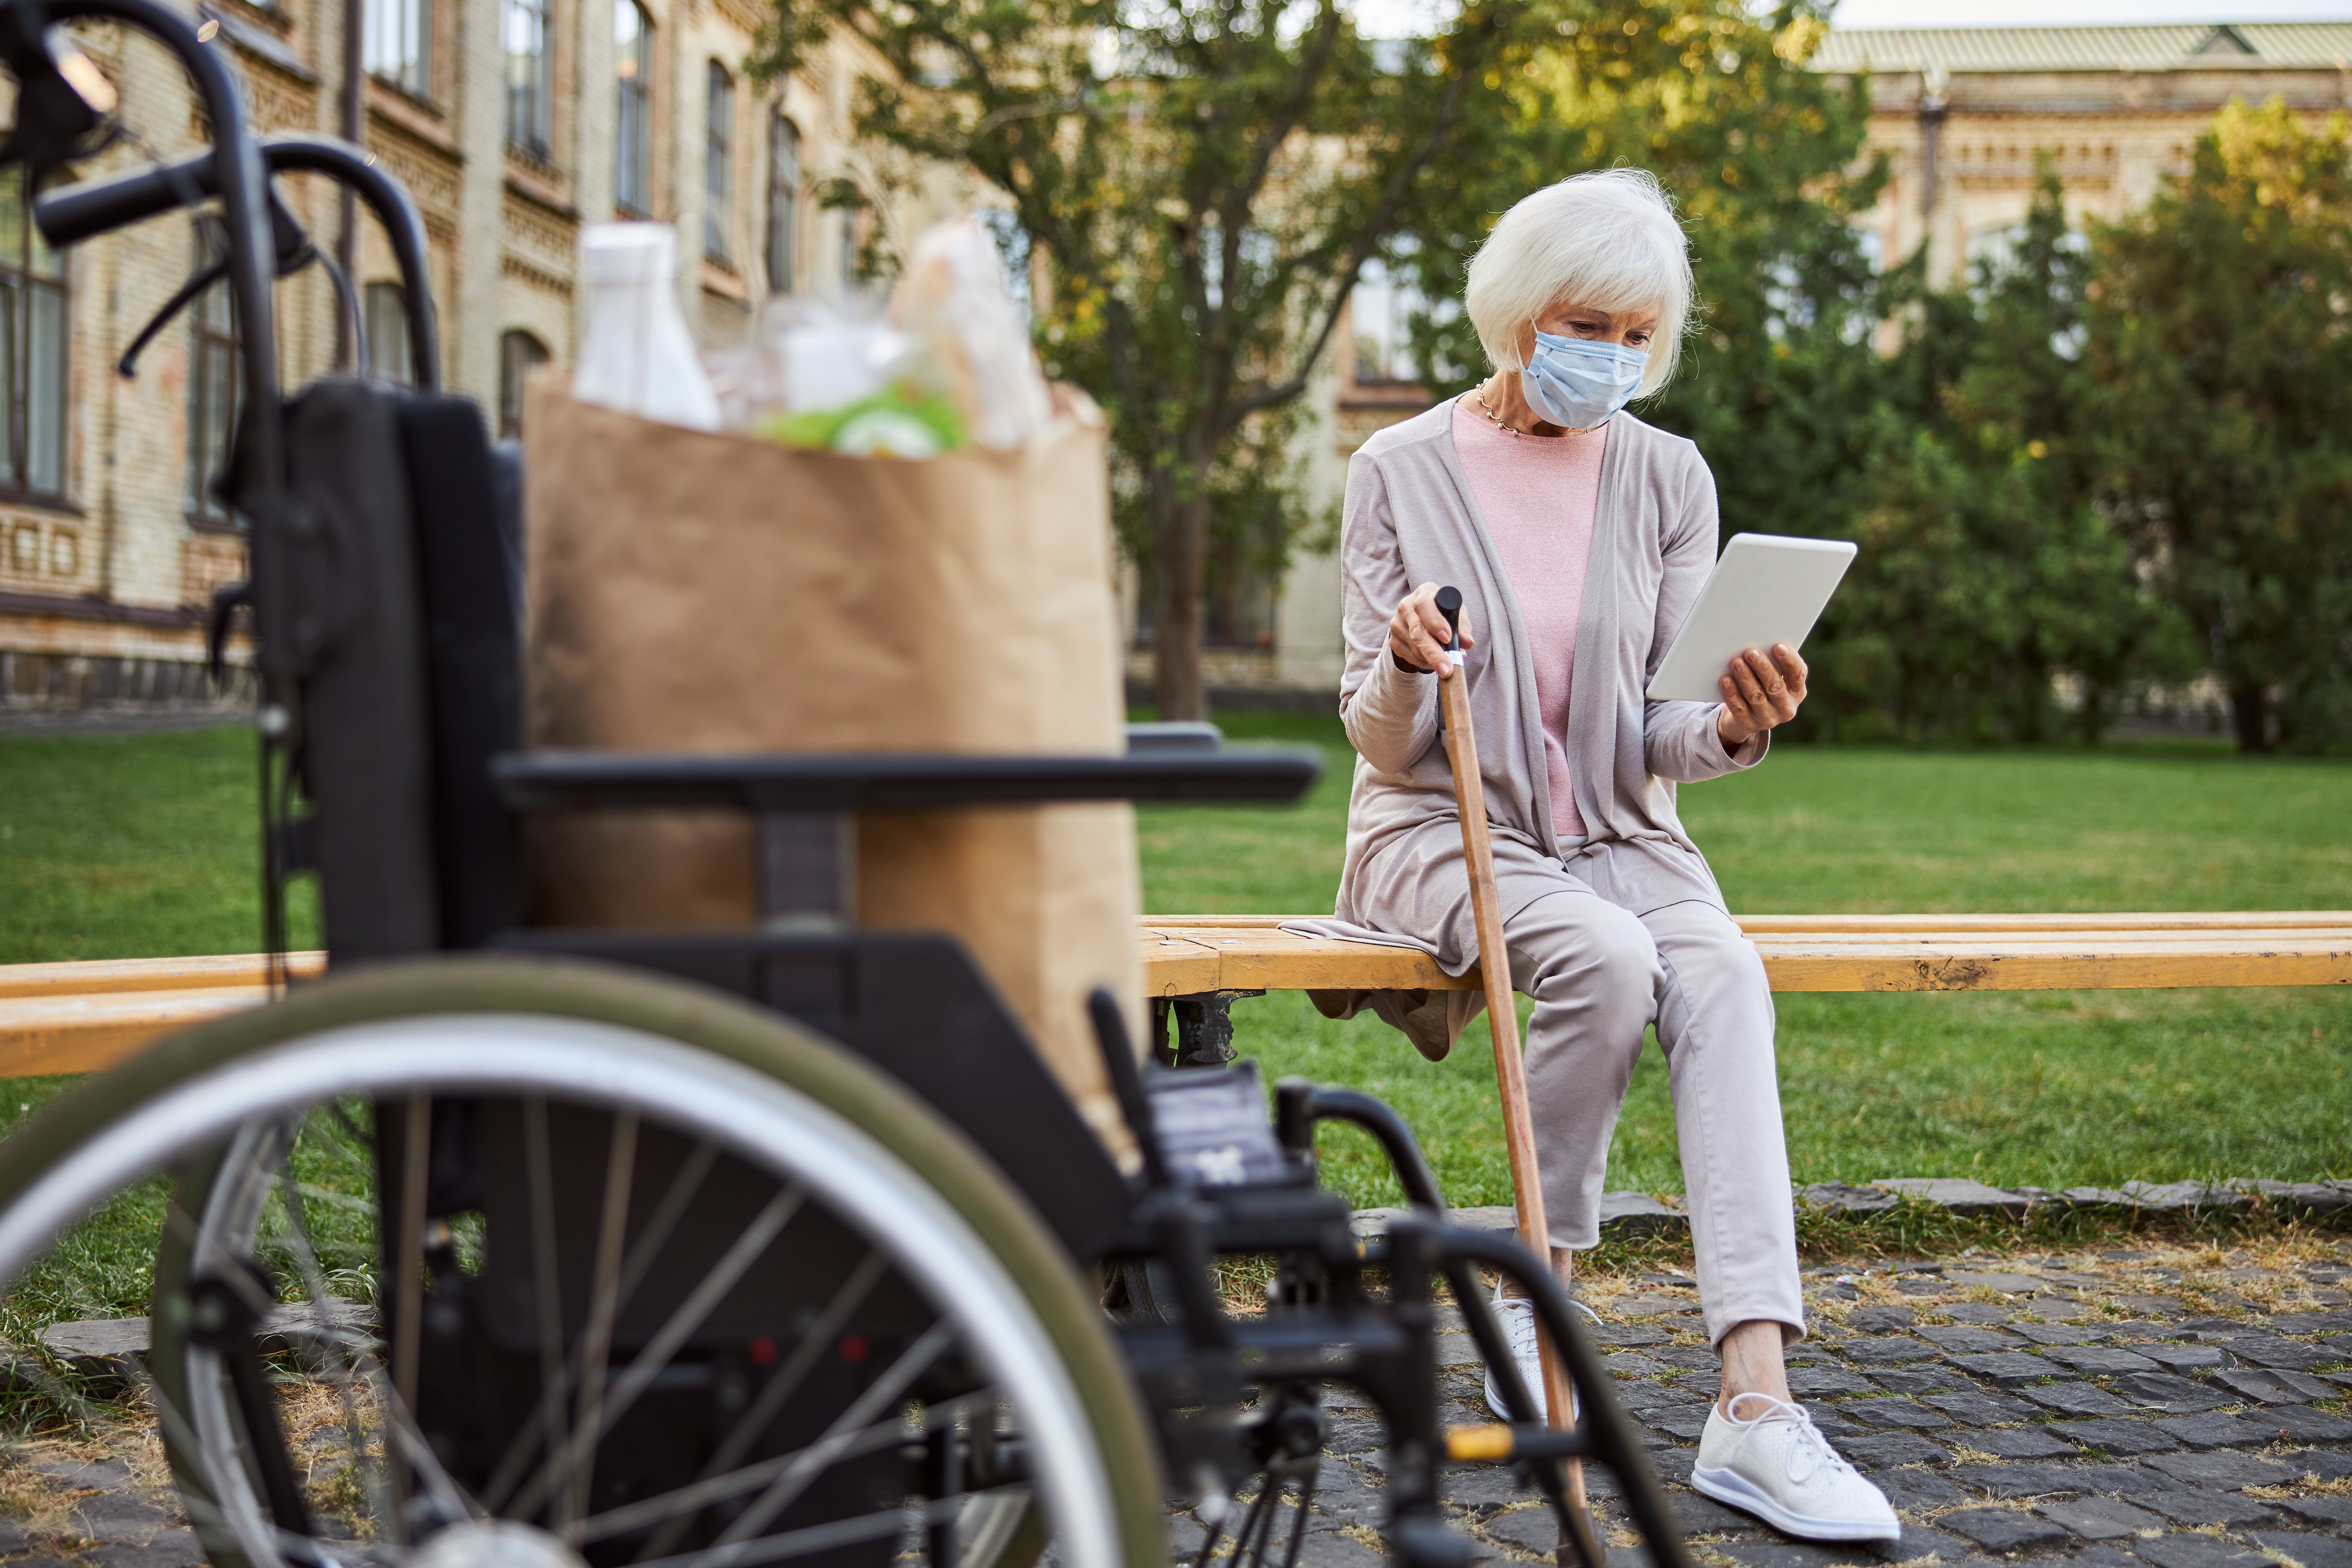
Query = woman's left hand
x=1759 y=692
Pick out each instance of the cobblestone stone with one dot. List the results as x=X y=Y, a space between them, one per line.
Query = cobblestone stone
x=2003 y=1530
x=2203 y=1508
x=2190 y=1551
x=2019 y=1443
x=2074 y=1399
x=2332 y=1514
x=2124 y=1440
x=2006 y=1369
x=2310 y=1551
x=2225 y=1470
x=2101 y=1518
x=2176 y=1395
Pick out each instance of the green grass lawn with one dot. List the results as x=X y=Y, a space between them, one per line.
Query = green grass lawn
x=2057 y=1088
x=125 y=847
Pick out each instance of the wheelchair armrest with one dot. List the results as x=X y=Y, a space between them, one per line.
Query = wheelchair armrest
x=579 y=779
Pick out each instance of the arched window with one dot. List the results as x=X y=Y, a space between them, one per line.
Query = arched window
x=519 y=353
x=530 y=76
x=633 y=55
x=387 y=309
x=784 y=201
x=719 y=164
x=33 y=316
x=215 y=381
x=396 y=41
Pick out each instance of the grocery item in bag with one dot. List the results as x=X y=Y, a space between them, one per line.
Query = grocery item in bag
x=639 y=357
x=951 y=367
x=955 y=299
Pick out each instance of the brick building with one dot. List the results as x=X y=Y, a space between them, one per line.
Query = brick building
x=511 y=122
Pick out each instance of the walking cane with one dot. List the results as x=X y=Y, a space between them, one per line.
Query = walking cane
x=1502 y=1015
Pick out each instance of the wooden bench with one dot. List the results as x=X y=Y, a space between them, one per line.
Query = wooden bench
x=1193 y=954
x=1195 y=965
x=80 y=1018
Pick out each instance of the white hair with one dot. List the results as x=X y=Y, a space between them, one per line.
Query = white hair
x=1607 y=239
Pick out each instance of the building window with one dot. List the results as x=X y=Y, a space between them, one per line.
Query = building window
x=216 y=381
x=519 y=353
x=633 y=54
x=387 y=333
x=33 y=344
x=395 y=42
x=719 y=166
x=784 y=201
x=531 y=76
x=1381 y=310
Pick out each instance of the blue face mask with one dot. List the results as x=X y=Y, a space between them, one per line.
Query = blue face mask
x=1580 y=384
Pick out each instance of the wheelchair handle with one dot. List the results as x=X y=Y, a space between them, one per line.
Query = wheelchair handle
x=243 y=185
x=75 y=213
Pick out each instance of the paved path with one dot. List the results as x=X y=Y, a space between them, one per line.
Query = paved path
x=2166 y=1409
x=2162 y=1409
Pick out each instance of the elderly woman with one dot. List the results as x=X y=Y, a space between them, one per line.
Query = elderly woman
x=1580 y=537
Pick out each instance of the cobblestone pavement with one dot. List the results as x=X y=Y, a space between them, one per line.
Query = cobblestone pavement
x=2167 y=1408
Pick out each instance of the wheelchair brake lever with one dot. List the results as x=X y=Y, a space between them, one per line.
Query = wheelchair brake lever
x=295 y=252
x=127 y=367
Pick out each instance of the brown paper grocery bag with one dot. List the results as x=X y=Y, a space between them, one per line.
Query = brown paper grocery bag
x=693 y=592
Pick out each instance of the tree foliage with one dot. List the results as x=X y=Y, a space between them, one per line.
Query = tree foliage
x=1988 y=573
x=2220 y=337
x=1203 y=180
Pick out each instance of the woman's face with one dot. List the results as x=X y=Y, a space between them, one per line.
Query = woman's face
x=1635 y=329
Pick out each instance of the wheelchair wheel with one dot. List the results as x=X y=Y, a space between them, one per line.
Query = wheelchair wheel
x=488 y=1261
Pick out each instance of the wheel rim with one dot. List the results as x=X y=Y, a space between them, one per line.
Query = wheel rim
x=750 y=1115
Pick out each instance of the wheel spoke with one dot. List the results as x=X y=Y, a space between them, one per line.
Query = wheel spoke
x=547 y=1280
x=732 y=1265
x=780 y=1387
x=688 y=1501
x=786 y=1489
x=350 y=1364
x=817 y=1538
x=659 y=1227
x=596 y=1344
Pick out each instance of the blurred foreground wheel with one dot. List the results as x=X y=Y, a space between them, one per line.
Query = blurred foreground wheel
x=517 y=1264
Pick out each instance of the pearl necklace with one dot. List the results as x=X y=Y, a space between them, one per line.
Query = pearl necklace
x=1496 y=419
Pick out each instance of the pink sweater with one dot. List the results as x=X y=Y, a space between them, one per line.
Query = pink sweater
x=1539 y=494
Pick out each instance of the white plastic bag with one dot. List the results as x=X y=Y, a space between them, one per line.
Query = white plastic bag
x=639 y=357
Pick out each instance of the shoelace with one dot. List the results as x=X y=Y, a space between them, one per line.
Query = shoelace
x=1810 y=1444
x=1519 y=1323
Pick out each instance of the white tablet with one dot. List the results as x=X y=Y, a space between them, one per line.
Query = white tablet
x=1764 y=589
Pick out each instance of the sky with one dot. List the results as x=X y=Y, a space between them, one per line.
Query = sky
x=1399 y=18
x=2079 y=12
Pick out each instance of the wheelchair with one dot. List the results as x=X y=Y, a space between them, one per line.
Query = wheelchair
x=516 y=1247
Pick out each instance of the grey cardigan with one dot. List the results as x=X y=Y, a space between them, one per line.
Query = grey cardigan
x=1410 y=518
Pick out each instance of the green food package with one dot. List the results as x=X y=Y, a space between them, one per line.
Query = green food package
x=897 y=422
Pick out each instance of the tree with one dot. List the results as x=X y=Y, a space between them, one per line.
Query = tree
x=2220 y=341
x=1205 y=180
x=1988 y=570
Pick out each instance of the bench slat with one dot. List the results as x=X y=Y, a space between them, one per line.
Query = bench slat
x=1923 y=952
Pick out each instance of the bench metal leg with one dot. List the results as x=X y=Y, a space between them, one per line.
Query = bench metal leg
x=1204 y=1028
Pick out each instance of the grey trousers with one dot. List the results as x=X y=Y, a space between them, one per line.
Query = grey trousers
x=1600 y=974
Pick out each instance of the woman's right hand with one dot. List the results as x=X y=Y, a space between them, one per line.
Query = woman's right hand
x=1417 y=633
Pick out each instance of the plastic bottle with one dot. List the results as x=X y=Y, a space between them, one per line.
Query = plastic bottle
x=639 y=357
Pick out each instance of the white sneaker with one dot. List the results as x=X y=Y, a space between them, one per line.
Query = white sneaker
x=1516 y=1315
x=1780 y=1469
